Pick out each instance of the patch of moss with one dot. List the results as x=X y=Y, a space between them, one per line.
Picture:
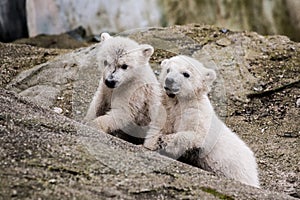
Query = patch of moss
x=216 y=193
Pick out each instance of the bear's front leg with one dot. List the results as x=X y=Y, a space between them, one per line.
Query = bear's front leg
x=176 y=144
x=153 y=135
x=105 y=123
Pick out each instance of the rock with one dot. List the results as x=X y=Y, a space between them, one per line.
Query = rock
x=69 y=81
x=84 y=163
x=223 y=42
x=16 y=58
x=57 y=110
x=61 y=41
x=66 y=76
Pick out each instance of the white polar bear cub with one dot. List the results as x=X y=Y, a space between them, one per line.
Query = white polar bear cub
x=192 y=131
x=128 y=91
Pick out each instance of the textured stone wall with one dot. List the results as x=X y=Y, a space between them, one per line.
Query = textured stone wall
x=262 y=16
x=57 y=16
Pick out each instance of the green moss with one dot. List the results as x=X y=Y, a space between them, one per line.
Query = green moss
x=43 y=124
x=216 y=193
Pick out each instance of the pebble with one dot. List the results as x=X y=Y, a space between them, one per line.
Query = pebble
x=57 y=110
x=298 y=102
x=223 y=42
x=52 y=181
x=29 y=151
x=224 y=30
x=78 y=112
x=14 y=193
x=258 y=88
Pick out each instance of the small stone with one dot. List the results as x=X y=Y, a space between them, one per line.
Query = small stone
x=78 y=112
x=14 y=193
x=258 y=88
x=264 y=129
x=29 y=152
x=57 y=110
x=224 y=30
x=52 y=181
x=289 y=135
x=298 y=103
x=223 y=42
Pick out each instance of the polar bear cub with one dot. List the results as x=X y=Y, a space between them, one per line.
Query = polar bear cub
x=128 y=90
x=192 y=130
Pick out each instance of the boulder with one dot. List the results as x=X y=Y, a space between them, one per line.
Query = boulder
x=46 y=155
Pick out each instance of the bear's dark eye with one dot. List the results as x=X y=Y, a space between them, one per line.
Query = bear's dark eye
x=124 y=66
x=186 y=75
x=168 y=70
x=105 y=62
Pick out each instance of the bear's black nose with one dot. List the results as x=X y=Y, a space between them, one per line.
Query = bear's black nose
x=110 y=83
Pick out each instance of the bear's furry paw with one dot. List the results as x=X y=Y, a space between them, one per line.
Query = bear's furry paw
x=96 y=123
x=151 y=143
x=171 y=146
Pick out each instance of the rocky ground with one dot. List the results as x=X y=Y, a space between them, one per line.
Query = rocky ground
x=44 y=153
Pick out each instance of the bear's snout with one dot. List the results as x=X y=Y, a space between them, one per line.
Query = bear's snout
x=169 y=81
x=171 y=85
x=110 y=83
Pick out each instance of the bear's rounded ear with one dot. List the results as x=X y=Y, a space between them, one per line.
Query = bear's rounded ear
x=164 y=63
x=147 y=50
x=210 y=76
x=105 y=36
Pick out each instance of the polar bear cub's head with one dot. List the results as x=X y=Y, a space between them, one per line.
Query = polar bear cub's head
x=185 y=77
x=123 y=59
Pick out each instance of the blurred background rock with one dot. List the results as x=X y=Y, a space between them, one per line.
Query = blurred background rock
x=23 y=18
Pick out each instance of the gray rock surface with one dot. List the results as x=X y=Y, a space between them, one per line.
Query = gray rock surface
x=46 y=155
x=256 y=95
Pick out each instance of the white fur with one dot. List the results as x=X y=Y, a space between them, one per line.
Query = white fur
x=131 y=105
x=192 y=123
